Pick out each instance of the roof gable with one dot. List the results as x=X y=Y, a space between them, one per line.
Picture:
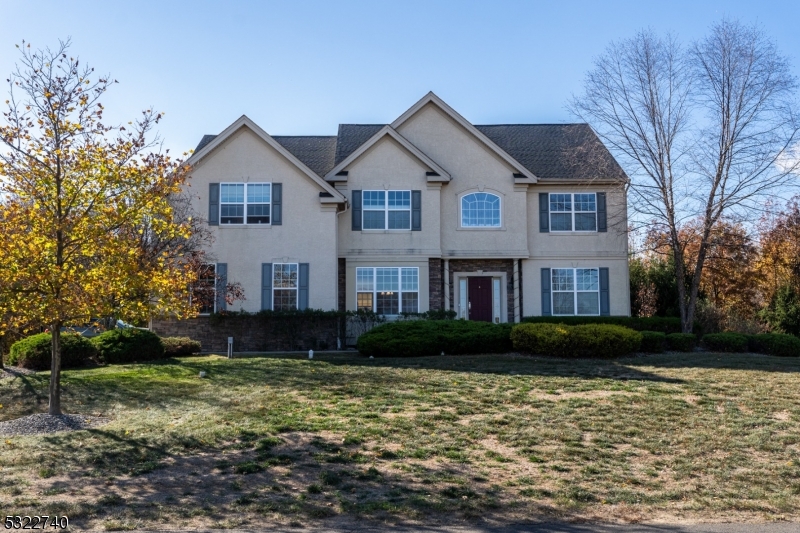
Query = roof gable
x=439 y=174
x=526 y=176
x=245 y=122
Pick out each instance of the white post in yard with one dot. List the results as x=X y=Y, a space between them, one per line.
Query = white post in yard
x=311 y=354
x=230 y=347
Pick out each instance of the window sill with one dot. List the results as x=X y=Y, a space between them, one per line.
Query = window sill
x=385 y=231
x=479 y=228
x=245 y=225
x=574 y=233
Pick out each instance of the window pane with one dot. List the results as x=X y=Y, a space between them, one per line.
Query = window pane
x=587 y=279
x=410 y=302
x=365 y=279
x=410 y=279
x=374 y=219
x=387 y=303
x=285 y=300
x=560 y=202
x=232 y=214
x=232 y=193
x=562 y=279
x=480 y=209
x=560 y=222
x=284 y=275
x=399 y=219
x=258 y=213
x=364 y=301
x=387 y=279
x=400 y=199
x=205 y=291
x=588 y=303
x=585 y=222
x=374 y=199
x=258 y=193
x=563 y=303
x=585 y=202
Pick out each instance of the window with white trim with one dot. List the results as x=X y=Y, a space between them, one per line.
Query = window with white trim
x=386 y=210
x=284 y=286
x=575 y=291
x=573 y=212
x=480 y=210
x=387 y=290
x=205 y=290
x=245 y=203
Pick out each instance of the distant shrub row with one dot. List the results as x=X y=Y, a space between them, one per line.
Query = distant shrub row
x=651 y=323
x=112 y=347
x=766 y=343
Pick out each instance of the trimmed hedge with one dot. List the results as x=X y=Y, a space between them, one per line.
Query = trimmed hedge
x=35 y=352
x=128 y=345
x=725 y=342
x=651 y=323
x=586 y=340
x=175 y=346
x=653 y=341
x=415 y=338
x=778 y=344
x=681 y=342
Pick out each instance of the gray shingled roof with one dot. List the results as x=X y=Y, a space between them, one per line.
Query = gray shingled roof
x=556 y=151
x=351 y=136
x=550 y=151
x=316 y=152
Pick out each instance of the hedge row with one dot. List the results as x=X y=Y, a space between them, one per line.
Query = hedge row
x=585 y=340
x=112 y=347
x=767 y=343
x=417 y=338
x=651 y=323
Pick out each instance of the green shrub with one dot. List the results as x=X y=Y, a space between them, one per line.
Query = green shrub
x=586 y=340
x=35 y=352
x=175 y=346
x=681 y=342
x=778 y=344
x=725 y=342
x=415 y=338
x=651 y=323
x=128 y=345
x=653 y=341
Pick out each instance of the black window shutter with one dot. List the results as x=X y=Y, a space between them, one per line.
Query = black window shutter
x=277 y=204
x=602 y=224
x=213 y=204
x=605 y=304
x=416 y=210
x=222 y=283
x=356 y=208
x=546 y=292
x=544 y=212
x=302 y=287
x=266 y=286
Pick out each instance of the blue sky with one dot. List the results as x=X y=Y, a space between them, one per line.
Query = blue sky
x=301 y=68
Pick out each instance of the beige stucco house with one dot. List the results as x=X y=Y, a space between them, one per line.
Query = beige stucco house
x=427 y=212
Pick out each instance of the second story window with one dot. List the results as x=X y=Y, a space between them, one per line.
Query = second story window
x=480 y=210
x=245 y=203
x=386 y=210
x=573 y=212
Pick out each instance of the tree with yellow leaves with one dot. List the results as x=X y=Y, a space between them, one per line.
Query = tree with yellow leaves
x=75 y=195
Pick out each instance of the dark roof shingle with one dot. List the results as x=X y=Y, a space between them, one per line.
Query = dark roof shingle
x=317 y=152
x=351 y=136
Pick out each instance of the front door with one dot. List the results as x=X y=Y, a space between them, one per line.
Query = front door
x=480 y=299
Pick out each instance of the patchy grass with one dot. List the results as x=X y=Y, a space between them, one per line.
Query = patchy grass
x=506 y=438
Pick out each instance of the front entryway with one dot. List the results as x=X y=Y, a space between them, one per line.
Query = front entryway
x=480 y=299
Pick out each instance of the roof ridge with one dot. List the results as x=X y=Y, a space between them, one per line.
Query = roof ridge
x=536 y=124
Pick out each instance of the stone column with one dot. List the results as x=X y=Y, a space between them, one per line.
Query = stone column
x=447 y=285
x=516 y=292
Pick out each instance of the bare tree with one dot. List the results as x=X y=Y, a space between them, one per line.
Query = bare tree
x=704 y=132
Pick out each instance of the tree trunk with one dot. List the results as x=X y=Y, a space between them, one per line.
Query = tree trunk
x=55 y=371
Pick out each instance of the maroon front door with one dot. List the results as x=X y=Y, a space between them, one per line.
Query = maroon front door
x=480 y=299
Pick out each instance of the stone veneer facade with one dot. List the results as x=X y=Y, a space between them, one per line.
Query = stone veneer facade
x=486 y=265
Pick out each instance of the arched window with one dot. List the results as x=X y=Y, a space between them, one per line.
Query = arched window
x=480 y=210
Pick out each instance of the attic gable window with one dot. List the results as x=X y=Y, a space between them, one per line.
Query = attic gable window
x=245 y=203
x=480 y=210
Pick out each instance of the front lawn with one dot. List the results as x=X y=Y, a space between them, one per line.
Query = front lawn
x=284 y=440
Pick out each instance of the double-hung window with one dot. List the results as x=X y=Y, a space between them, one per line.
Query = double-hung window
x=245 y=203
x=284 y=286
x=576 y=291
x=386 y=210
x=573 y=212
x=388 y=290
